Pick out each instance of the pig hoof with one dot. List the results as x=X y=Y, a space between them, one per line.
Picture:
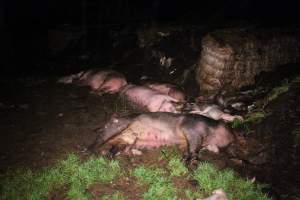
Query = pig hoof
x=191 y=162
x=109 y=155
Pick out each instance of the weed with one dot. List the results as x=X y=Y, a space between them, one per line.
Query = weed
x=116 y=196
x=210 y=178
x=191 y=195
x=23 y=184
x=238 y=124
x=177 y=168
x=160 y=187
x=252 y=118
x=76 y=177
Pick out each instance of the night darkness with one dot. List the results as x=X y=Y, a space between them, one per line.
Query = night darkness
x=25 y=25
x=69 y=67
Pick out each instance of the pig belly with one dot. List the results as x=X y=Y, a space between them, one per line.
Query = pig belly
x=140 y=95
x=149 y=99
x=143 y=136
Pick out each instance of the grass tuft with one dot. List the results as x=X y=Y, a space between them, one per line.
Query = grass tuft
x=116 y=196
x=177 y=168
x=160 y=187
x=209 y=179
x=77 y=176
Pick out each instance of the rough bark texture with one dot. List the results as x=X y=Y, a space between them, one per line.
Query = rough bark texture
x=230 y=59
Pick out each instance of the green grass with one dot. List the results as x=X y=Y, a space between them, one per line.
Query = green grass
x=257 y=115
x=75 y=178
x=210 y=179
x=177 y=168
x=116 y=196
x=160 y=186
x=251 y=118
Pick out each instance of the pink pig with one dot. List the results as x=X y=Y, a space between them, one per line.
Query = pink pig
x=150 y=99
x=100 y=81
x=168 y=89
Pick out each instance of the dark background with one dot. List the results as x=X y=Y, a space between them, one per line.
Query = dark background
x=24 y=24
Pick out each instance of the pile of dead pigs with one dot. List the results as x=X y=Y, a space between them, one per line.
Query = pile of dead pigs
x=169 y=119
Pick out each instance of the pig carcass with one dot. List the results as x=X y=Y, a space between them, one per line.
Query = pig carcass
x=151 y=130
x=168 y=89
x=211 y=111
x=218 y=194
x=100 y=81
x=149 y=99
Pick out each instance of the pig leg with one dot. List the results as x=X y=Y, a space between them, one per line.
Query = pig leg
x=194 y=133
x=94 y=147
x=194 y=143
x=115 y=149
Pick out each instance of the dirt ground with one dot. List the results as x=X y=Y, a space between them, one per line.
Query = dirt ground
x=42 y=122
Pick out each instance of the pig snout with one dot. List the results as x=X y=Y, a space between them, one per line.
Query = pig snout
x=221 y=137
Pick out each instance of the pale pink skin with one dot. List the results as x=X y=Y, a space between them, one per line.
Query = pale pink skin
x=153 y=130
x=214 y=112
x=150 y=135
x=113 y=85
x=92 y=79
x=168 y=89
x=148 y=98
x=218 y=194
x=100 y=81
x=177 y=94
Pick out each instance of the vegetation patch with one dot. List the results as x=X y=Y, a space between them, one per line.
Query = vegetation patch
x=160 y=186
x=251 y=119
x=210 y=179
x=116 y=196
x=77 y=176
x=170 y=181
x=275 y=92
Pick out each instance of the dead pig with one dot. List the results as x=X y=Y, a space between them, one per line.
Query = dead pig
x=151 y=130
x=211 y=111
x=100 y=81
x=149 y=99
x=168 y=89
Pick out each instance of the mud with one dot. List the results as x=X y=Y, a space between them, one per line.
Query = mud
x=42 y=123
